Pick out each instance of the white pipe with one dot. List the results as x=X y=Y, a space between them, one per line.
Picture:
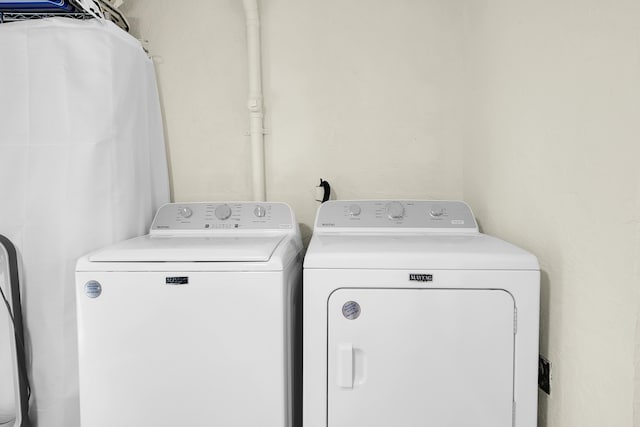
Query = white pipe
x=256 y=129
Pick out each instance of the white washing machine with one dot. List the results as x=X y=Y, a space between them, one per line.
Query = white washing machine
x=192 y=325
x=413 y=318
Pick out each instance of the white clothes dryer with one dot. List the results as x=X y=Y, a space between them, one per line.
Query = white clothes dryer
x=192 y=325
x=413 y=318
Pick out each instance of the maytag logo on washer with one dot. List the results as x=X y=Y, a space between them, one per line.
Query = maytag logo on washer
x=177 y=280
x=420 y=277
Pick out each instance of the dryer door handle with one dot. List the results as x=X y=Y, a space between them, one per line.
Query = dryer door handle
x=345 y=365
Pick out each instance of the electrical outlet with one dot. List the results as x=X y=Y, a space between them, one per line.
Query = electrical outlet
x=544 y=375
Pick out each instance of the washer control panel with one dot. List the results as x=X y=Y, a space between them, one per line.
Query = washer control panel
x=205 y=218
x=419 y=215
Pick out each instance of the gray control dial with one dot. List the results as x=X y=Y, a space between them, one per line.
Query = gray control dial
x=223 y=212
x=260 y=211
x=437 y=211
x=395 y=210
x=354 y=210
x=185 y=212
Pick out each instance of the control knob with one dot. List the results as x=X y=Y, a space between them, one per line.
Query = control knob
x=354 y=210
x=437 y=211
x=260 y=211
x=185 y=212
x=223 y=212
x=395 y=210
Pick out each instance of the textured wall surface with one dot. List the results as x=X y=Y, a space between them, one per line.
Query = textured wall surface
x=200 y=55
x=363 y=94
x=529 y=110
x=551 y=164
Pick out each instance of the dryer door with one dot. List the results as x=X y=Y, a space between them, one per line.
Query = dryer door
x=420 y=357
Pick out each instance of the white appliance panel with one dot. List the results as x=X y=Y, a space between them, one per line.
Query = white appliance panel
x=418 y=357
x=201 y=219
x=157 y=354
x=257 y=248
x=321 y=283
x=416 y=251
x=397 y=216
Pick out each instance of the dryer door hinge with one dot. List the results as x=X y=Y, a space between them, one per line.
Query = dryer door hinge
x=515 y=321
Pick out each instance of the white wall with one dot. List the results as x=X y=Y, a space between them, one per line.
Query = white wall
x=551 y=163
x=200 y=56
x=529 y=110
x=363 y=94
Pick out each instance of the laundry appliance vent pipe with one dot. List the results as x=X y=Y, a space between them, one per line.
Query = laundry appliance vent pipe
x=256 y=129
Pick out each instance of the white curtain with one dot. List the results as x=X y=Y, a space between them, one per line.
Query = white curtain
x=82 y=165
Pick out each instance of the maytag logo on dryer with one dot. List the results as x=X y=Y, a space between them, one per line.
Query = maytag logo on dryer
x=420 y=277
x=177 y=280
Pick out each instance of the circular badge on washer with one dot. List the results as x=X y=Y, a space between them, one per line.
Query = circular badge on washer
x=351 y=310
x=93 y=289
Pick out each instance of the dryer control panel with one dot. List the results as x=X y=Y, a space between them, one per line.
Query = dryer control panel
x=206 y=218
x=396 y=215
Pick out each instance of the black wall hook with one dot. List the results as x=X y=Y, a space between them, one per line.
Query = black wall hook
x=326 y=189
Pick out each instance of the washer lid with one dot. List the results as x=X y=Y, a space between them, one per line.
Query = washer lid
x=191 y=249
